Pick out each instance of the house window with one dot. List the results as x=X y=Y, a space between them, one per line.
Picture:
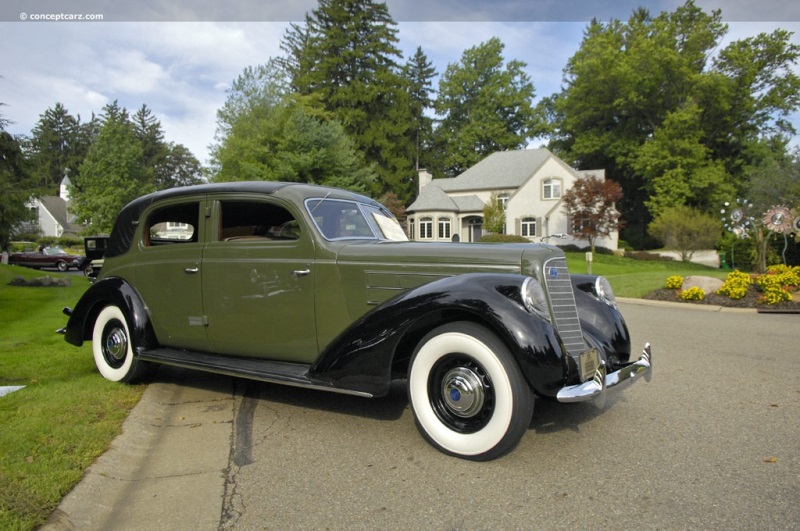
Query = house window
x=551 y=188
x=426 y=228
x=503 y=199
x=528 y=227
x=411 y=228
x=444 y=228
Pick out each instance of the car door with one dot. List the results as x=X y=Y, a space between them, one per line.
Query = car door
x=258 y=282
x=168 y=276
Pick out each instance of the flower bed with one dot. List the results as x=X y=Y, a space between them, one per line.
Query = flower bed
x=776 y=290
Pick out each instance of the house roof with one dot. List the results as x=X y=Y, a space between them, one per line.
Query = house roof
x=504 y=169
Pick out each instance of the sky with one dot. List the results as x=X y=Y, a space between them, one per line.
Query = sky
x=179 y=57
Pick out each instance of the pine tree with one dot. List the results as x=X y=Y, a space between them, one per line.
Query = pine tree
x=345 y=55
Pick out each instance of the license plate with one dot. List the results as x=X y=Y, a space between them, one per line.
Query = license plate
x=590 y=360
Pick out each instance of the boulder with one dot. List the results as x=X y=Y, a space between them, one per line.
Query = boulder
x=707 y=284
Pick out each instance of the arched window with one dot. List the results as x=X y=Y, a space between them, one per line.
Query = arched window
x=444 y=229
x=426 y=228
x=528 y=227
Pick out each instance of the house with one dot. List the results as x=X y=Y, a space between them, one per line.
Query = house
x=529 y=183
x=52 y=216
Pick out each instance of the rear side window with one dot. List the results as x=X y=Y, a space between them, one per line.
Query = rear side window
x=256 y=221
x=173 y=224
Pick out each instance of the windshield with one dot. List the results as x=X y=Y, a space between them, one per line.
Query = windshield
x=53 y=251
x=338 y=220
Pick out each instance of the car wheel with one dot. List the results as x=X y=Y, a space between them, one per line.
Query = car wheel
x=468 y=396
x=61 y=266
x=113 y=348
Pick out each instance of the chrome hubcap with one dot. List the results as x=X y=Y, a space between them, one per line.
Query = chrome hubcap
x=117 y=344
x=463 y=392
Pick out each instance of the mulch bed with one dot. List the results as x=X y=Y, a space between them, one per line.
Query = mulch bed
x=748 y=301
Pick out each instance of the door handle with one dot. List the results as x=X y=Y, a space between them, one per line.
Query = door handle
x=191 y=270
x=300 y=272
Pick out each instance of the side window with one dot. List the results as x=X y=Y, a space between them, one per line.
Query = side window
x=173 y=224
x=256 y=221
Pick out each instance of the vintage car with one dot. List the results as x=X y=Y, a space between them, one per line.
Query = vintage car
x=49 y=257
x=320 y=288
x=95 y=248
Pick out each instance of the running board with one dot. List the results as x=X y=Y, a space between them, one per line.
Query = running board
x=280 y=372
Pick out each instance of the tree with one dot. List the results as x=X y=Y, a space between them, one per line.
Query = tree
x=494 y=215
x=678 y=168
x=148 y=130
x=644 y=100
x=178 y=168
x=345 y=55
x=56 y=147
x=485 y=105
x=419 y=73
x=591 y=205
x=286 y=143
x=15 y=185
x=112 y=174
x=685 y=229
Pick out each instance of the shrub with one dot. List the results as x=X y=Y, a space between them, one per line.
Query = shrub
x=735 y=285
x=693 y=294
x=503 y=238
x=685 y=229
x=674 y=282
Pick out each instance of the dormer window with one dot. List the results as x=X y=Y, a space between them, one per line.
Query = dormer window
x=551 y=188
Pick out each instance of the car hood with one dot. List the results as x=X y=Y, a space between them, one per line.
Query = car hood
x=450 y=258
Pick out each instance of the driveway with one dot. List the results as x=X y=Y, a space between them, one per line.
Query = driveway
x=712 y=442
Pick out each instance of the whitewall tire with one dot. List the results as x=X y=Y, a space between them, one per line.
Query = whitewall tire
x=113 y=348
x=467 y=393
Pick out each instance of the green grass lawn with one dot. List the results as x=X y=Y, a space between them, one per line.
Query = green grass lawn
x=66 y=415
x=637 y=278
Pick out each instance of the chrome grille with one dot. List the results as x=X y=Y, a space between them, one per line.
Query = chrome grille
x=562 y=303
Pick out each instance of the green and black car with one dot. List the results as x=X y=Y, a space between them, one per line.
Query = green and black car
x=319 y=288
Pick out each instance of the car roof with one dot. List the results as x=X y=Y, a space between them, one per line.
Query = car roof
x=125 y=224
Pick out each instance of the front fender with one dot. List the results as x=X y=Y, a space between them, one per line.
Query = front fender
x=108 y=291
x=603 y=326
x=363 y=356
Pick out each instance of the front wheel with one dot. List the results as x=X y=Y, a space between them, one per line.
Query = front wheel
x=467 y=393
x=61 y=266
x=113 y=348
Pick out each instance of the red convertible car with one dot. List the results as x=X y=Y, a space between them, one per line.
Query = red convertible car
x=54 y=257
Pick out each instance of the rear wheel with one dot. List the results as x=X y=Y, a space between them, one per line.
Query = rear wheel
x=467 y=393
x=113 y=348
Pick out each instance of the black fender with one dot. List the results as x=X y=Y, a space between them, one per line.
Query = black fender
x=116 y=291
x=379 y=345
x=603 y=326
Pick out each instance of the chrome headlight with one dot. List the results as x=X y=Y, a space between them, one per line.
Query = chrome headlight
x=602 y=287
x=534 y=298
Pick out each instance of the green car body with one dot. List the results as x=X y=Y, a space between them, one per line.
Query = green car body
x=318 y=287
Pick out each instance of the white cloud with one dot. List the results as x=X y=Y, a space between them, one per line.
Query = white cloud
x=181 y=70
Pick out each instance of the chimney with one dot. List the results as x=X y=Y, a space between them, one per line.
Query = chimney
x=425 y=178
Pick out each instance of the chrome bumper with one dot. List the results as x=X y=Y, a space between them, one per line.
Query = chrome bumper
x=595 y=389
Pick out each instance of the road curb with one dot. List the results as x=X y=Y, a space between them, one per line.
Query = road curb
x=685 y=305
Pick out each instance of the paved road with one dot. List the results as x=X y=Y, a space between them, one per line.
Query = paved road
x=712 y=442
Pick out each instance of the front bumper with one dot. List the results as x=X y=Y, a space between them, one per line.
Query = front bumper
x=595 y=389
